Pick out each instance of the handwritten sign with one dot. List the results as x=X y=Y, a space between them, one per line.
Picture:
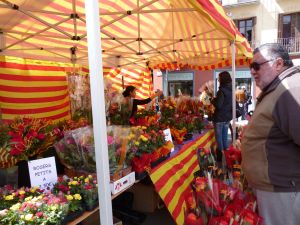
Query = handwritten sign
x=43 y=173
x=168 y=136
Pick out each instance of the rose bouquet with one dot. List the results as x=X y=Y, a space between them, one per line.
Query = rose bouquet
x=84 y=139
x=69 y=154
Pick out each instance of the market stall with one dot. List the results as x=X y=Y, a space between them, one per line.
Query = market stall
x=156 y=34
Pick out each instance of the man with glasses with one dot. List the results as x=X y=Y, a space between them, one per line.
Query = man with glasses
x=271 y=142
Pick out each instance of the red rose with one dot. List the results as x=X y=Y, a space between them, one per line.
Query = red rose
x=41 y=136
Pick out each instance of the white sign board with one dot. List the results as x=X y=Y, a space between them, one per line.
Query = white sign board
x=42 y=173
x=168 y=136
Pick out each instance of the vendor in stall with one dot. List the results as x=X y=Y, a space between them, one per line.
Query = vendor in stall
x=132 y=102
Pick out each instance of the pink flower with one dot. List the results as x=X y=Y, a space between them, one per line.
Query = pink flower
x=110 y=140
x=39 y=214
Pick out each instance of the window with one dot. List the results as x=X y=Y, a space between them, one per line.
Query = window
x=246 y=28
x=289 y=25
x=289 y=31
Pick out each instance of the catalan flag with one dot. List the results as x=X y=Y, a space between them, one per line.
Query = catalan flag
x=172 y=179
x=33 y=88
x=39 y=89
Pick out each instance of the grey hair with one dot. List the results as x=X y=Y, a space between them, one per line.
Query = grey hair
x=274 y=51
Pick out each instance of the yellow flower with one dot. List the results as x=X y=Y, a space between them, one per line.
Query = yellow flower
x=143 y=138
x=28 y=198
x=75 y=178
x=21 y=192
x=53 y=207
x=9 y=197
x=32 y=190
x=15 y=206
x=22 y=217
x=69 y=197
x=74 y=182
x=28 y=217
x=86 y=180
x=77 y=196
x=137 y=143
x=90 y=176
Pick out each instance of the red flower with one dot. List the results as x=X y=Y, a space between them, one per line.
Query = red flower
x=41 y=136
x=15 y=152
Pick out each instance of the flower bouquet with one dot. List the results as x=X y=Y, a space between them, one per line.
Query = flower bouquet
x=118 y=150
x=69 y=154
x=24 y=138
x=84 y=139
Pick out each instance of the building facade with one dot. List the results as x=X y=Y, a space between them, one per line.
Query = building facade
x=267 y=21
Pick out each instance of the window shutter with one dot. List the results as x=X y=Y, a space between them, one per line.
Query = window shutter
x=293 y=24
x=280 y=25
x=253 y=31
x=297 y=27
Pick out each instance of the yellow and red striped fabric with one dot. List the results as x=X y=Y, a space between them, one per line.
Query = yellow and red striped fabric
x=39 y=89
x=134 y=34
x=172 y=179
x=33 y=88
x=139 y=78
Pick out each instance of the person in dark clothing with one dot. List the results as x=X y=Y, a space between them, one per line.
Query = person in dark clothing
x=223 y=112
x=129 y=95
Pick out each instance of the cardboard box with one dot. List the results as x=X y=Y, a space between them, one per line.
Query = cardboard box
x=123 y=183
x=145 y=198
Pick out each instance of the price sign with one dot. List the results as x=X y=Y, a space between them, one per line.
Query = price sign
x=43 y=173
x=168 y=136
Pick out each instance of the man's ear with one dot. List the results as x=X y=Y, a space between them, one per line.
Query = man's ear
x=279 y=64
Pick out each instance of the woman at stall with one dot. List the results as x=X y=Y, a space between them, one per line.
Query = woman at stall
x=129 y=97
x=223 y=112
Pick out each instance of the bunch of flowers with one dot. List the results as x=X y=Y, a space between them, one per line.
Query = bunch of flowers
x=145 y=118
x=24 y=138
x=214 y=202
x=69 y=154
x=10 y=196
x=118 y=109
x=68 y=125
x=84 y=139
x=151 y=146
x=89 y=191
x=168 y=110
x=71 y=190
x=118 y=140
x=43 y=209
x=78 y=190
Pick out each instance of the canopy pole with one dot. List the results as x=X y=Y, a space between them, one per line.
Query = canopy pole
x=98 y=107
x=233 y=93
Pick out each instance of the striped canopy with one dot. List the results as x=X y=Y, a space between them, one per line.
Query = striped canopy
x=134 y=33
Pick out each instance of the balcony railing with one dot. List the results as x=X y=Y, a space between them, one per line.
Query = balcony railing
x=292 y=44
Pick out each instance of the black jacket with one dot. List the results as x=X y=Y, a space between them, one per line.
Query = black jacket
x=223 y=104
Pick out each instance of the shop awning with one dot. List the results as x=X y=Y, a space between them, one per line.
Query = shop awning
x=134 y=33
